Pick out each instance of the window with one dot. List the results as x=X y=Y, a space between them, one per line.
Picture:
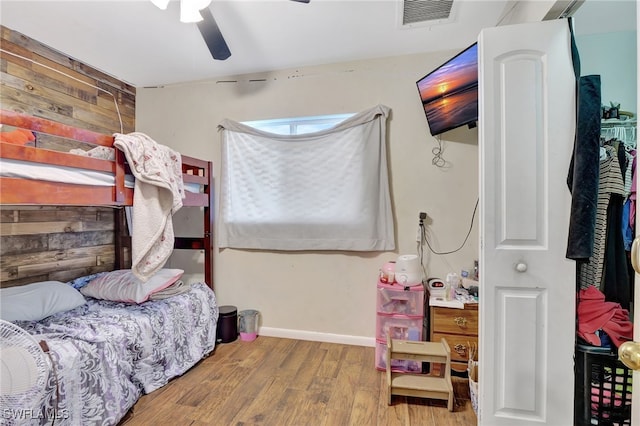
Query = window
x=298 y=125
x=325 y=190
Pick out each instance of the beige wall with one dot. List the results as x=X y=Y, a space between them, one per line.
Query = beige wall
x=332 y=294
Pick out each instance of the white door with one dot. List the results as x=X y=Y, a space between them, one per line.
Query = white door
x=635 y=401
x=527 y=313
x=635 y=396
x=634 y=349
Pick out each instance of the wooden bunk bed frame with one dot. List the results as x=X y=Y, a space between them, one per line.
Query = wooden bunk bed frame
x=23 y=192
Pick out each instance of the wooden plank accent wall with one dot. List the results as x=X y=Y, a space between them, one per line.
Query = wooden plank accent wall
x=54 y=243
x=33 y=86
x=58 y=243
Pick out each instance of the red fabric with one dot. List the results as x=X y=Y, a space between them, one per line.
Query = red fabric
x=17 y=136
x=594 y=313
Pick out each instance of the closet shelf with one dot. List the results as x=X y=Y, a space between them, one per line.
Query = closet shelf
x=619 y=123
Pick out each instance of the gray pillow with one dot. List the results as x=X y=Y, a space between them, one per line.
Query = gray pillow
x=33 y=302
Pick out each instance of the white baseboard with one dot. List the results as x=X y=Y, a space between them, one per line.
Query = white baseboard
x=317 y=336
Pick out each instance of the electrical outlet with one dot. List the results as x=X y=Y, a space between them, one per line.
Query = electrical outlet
x=421 y=217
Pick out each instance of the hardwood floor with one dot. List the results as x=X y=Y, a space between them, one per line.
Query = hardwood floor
x=273 y=381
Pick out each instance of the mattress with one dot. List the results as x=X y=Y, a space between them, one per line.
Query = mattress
x=108 y=354
x=63 y=174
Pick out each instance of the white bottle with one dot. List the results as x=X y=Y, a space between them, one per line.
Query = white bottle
x=452 y=282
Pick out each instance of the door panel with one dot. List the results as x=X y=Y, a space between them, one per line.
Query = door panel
x=527 y=309
x=635 y=396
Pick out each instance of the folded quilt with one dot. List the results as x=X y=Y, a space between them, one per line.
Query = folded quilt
x=174 y=289
x=158 y=194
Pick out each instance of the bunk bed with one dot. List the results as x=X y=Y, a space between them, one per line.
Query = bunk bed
x=107 y=353
x=23 y=190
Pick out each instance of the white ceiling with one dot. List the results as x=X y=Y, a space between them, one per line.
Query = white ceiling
x=145 y=46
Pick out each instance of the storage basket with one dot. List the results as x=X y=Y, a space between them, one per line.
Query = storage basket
x=603 y=388
x=472 y=369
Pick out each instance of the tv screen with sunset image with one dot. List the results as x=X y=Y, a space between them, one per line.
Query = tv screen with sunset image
x=449 y=93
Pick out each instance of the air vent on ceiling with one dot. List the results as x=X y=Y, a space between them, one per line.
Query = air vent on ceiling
x=416 y=11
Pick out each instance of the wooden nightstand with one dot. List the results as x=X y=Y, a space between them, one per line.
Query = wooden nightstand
x=459 y=327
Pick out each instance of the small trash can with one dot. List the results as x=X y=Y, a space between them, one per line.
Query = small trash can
x=248 y=325
x=227 y=328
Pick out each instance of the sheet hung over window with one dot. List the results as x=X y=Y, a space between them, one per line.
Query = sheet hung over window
x=327 y=190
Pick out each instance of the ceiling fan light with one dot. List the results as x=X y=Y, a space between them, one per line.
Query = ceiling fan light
x=161 y=4
x=189 y=11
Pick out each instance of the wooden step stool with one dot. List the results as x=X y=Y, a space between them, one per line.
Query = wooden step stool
x=420 y=385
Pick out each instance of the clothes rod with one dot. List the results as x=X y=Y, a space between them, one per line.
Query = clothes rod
x=621 y=123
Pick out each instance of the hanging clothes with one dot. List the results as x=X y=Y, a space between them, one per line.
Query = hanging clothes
x=584 y=169
x=632 y=196
x=615 y=283
x=628 y=209
x=629 y=155
x=610 y=182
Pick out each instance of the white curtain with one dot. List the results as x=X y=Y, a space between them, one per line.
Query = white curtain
x=327 y=190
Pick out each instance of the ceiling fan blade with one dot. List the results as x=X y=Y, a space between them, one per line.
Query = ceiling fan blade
x=301 y=1
x=213 y=36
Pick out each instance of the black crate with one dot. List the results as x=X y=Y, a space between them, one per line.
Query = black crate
x=603 y=388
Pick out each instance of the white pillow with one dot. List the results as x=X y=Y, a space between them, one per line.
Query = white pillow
x=124 y=286
x=33 y=302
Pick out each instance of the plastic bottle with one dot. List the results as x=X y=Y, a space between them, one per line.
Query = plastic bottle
x=452 y=281
x=388 y=272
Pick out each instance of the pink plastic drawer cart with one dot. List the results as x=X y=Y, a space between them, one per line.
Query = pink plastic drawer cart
x=400 y=315
x=393 y=299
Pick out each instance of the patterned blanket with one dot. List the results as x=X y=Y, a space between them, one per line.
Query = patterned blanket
x=158 y=194
x=107 y=354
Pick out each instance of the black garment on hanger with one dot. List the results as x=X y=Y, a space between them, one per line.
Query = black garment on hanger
x=616 y=284
x=584 y=170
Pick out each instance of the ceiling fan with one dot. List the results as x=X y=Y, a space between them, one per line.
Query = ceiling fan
x=198 y=11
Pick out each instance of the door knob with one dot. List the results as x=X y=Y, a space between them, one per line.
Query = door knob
x=629 y=354
x=634 y=255
x=521 y=267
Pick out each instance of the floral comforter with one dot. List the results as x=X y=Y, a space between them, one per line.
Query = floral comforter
x=107 y=354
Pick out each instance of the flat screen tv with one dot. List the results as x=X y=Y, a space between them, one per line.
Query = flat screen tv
x=449 y=93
